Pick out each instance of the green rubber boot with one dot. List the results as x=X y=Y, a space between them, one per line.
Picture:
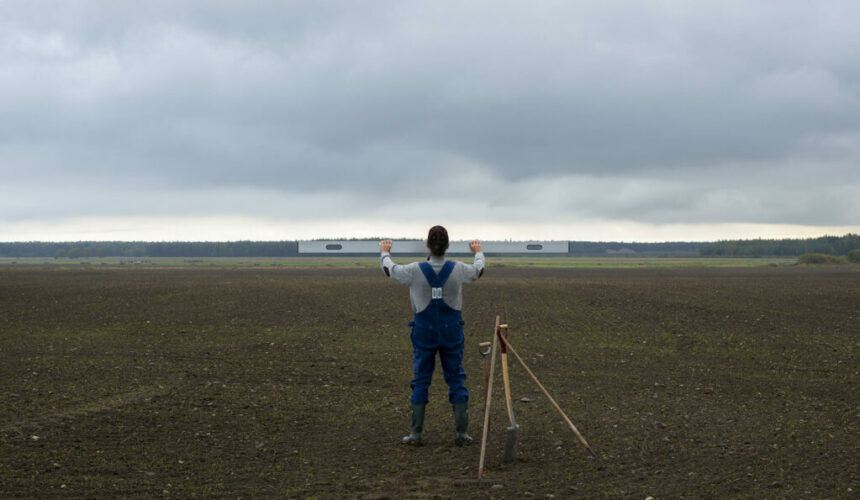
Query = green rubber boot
x=417 y=425
x=461 y=421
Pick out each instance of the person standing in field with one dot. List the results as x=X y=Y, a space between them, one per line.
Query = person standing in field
x=436 y=296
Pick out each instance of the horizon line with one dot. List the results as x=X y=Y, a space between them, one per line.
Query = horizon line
x=373 y=238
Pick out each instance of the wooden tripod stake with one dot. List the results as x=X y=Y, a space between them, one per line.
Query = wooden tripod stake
x=489 y=392
x=487 y=404
x=546 y=393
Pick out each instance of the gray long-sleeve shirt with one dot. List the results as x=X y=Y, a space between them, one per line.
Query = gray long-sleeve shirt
x=419 y=288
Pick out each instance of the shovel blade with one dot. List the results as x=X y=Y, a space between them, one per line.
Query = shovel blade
x=511 y=443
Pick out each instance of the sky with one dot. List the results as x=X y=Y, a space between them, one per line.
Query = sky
x=588 y=120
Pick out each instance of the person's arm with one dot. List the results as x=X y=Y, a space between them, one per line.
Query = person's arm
x=400 y=274
x=473 y=271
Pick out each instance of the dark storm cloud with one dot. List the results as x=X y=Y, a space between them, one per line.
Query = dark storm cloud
x=660 y=112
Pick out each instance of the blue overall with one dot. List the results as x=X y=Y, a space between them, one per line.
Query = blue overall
x=439 y=327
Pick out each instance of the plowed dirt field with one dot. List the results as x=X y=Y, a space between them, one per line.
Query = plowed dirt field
x=687 y=382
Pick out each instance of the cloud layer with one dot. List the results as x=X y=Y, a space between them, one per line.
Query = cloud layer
x=660 y=113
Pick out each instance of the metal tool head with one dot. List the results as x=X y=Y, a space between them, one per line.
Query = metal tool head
x=485 y=480
x=511 y=442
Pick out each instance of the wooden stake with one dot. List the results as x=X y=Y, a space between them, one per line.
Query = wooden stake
x=489 y=398
x=557 y=407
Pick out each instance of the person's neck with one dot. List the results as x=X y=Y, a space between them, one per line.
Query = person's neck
x=437 y=259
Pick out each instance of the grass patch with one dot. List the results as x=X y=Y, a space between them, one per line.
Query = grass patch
x=819 y=259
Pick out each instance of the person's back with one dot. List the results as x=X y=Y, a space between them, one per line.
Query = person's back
x=419 y=288
x=435 y=290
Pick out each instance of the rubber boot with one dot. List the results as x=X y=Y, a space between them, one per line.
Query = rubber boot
x=417 y=425
x=461 y=421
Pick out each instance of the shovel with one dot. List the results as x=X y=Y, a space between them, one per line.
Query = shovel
x=512 y=431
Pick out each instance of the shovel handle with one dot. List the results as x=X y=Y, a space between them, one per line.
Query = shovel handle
x=502 y=332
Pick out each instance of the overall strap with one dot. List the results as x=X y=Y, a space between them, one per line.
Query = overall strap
x=427 y=269
x=445 y=273
x=437 y=280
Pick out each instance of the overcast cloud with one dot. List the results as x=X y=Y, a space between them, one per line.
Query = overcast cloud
x=392 y=114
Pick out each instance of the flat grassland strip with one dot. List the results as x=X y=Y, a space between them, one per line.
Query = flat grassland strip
x=371 y=262
x=285 y=381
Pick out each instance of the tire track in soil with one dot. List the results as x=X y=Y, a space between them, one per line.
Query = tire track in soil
x=106 y=403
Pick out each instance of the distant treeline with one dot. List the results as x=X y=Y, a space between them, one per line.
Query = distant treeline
x=830 y=245
x=666 y=249
x=83 y=249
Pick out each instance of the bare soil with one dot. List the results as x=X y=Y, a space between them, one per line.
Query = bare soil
x=687 y=382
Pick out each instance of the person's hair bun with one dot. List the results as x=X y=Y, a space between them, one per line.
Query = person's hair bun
x=437 y=240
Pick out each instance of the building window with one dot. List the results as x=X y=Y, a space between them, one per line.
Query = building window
x=334 y=246
x=534 y=246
